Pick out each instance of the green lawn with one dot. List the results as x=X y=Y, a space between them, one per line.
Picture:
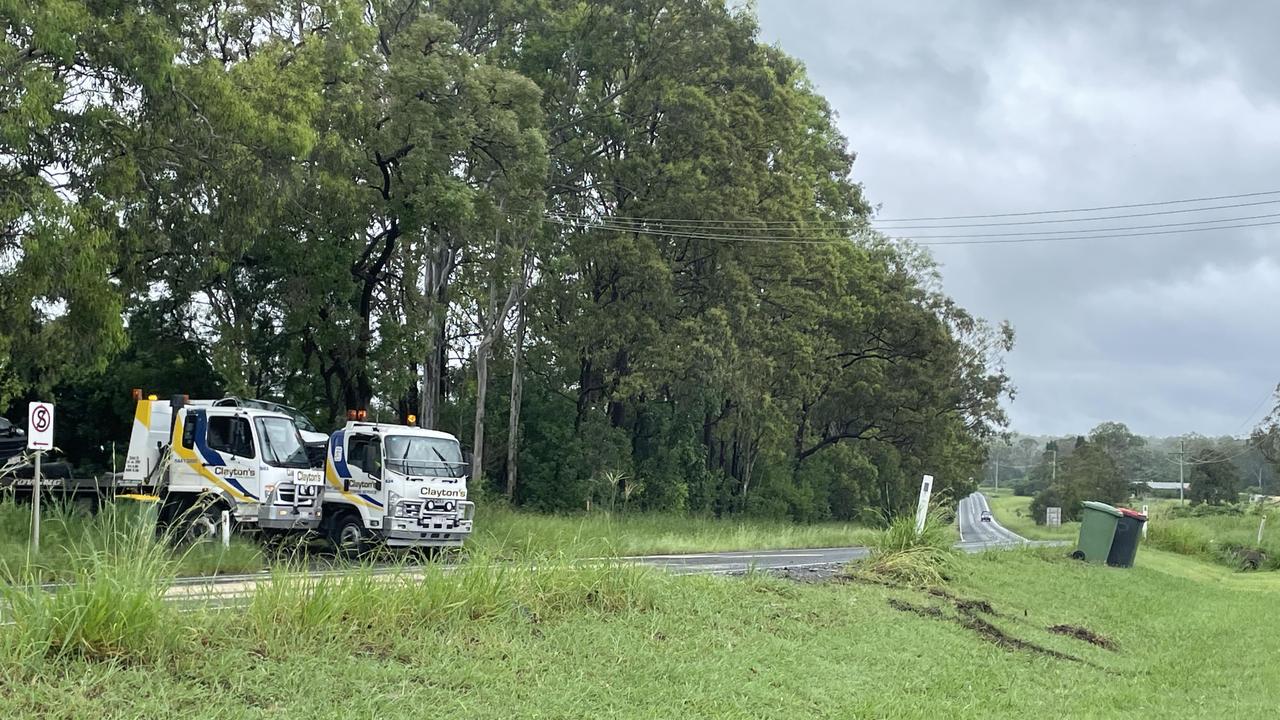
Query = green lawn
x=632 y=643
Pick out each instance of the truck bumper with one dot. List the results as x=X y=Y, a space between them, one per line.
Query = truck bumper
x=291 y=507
x=288 y=517
x=431 y=531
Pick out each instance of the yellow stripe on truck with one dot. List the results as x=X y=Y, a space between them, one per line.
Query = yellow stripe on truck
x=198 y=465
x=142 y=413
x=331 y=474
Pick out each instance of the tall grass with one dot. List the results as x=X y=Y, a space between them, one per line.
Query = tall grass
x=66 y=531
x=922 y=558
x=503 y=532
x=111 y=607
x=1230 y=538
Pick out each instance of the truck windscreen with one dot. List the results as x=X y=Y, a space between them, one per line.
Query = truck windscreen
x=414 y=455
x=281 y=444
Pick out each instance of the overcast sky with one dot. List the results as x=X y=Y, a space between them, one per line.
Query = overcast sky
x=959 y=108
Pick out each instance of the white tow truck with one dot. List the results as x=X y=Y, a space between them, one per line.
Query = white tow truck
x=203 y=458
x=395 y=484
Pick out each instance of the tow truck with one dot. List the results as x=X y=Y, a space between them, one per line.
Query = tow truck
x=203 y=458
x=394 y=484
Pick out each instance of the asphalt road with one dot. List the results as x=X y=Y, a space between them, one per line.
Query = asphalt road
x=975 y=536
x=974 y=530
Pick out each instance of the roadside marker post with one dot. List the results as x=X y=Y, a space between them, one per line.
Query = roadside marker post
x=1145 y=524
x=922 y=509
x=39 y=439
x=1261 y=524
x=226 y=529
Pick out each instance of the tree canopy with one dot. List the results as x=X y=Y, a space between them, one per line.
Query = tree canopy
x=401 y=205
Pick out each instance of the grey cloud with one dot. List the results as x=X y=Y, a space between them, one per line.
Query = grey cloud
x=964 y=108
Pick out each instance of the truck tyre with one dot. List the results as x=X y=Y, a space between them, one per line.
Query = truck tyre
x=205 y=524
x=196 y=522
x=348 y=536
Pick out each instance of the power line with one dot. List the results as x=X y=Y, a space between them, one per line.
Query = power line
x=1087 y=209
x=627 y=223
x=1256 y=408
x=697 y=224
x=1038 y=233
x=1094 y=218
x=1216 y=460
x=811 y=240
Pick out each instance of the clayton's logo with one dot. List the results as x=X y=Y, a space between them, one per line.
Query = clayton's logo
x=224 y=471
x=431 y=492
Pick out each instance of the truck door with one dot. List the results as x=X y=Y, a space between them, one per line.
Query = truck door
x=362 y=477
x=223 y=454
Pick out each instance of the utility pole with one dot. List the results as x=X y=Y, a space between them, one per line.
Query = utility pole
x=998 y=475
x=1055 y=466
x=1182 y=453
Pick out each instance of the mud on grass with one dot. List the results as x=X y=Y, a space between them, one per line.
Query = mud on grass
x=1085 y=634
x=967 y=616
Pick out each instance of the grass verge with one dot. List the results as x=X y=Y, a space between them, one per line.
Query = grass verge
x=503 y=532
x=1229 y=539
x=69 y=533
x=1014 y=634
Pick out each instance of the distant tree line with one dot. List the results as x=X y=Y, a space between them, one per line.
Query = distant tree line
x=1112 y=464
x=471 y=211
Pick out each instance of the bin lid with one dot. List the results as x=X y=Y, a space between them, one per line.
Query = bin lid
x=1102 y=507
x=1129 y=512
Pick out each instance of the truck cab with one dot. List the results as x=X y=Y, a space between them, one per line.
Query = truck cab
x=315 y=441
x=206 y=458
x=395 y=484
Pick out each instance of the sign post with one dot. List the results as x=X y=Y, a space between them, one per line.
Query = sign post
x=1053 y=517
x=39 y=439
x=1145 y=524
x=926 y=489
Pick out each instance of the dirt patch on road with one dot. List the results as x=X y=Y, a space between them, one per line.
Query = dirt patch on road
x=1085 y=634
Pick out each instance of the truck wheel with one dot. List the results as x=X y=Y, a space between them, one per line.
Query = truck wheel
x=205 y=524
x=348 y=536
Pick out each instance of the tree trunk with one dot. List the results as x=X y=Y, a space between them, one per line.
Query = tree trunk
x=477 y=434
x=433 y=374
x=517 y=389
x=489 y=334
x=436 y=289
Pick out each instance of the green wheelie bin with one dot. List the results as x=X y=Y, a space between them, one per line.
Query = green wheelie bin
x=1097 y=529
